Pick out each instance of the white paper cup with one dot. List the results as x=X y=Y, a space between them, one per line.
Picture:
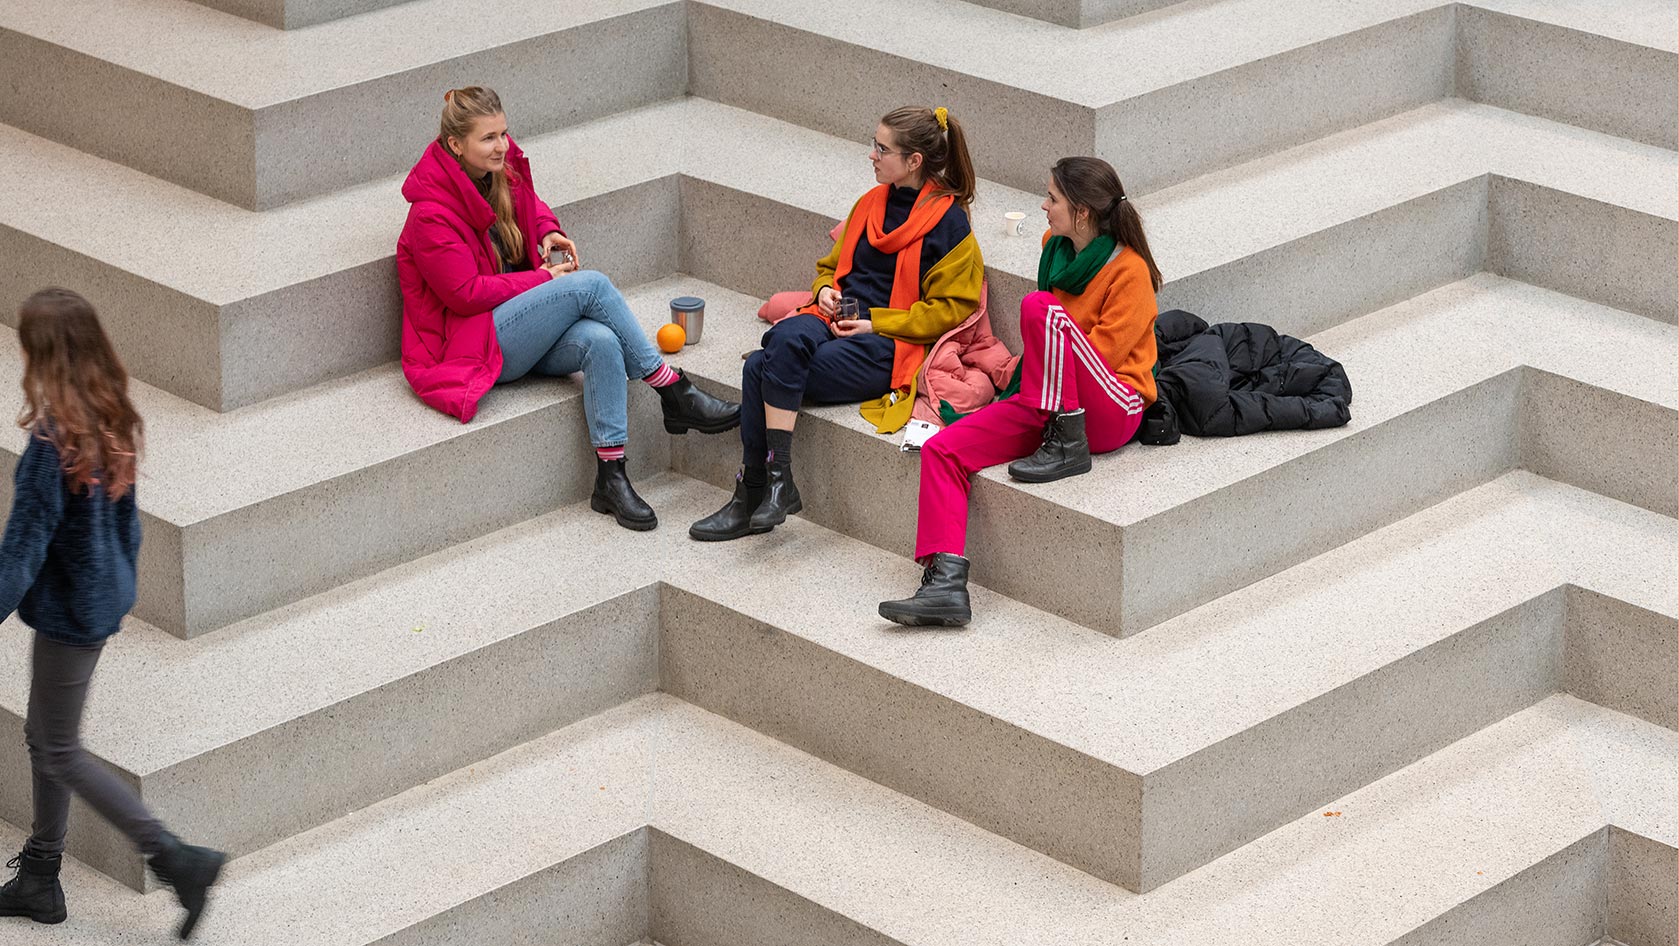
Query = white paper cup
x=1014 y=224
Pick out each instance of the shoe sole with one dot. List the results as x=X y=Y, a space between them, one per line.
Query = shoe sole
x=758 y=529
x=672 y=427
x=1036 y=478
x=634 y=525
x=923 y=619
x=49 y=919
x=699 y=536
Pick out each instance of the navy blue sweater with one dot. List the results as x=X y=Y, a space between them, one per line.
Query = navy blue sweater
x=871 y=278
x=67 y=560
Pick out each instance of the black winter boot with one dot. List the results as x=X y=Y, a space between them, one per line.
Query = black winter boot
x=34 y=892
x=781 y=497
x=730 y=522
x=615 y=496
x=191 y=871
x=1065 y=451
x=941 y=601
x=688 y=408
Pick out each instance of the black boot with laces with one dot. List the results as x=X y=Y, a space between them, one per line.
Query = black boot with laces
x=35 y=891
x=191 y=871
x=941 y=601
x=1065 y=451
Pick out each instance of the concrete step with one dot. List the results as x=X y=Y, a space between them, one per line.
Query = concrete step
x=1452 y=389
x=1091 y=750
x=258 y=118
x=1280 y=74
x=222 y=491
x=1076 y=14
x=262 y=313
x=1205 y=85
x=296 y=14
x=660 y=821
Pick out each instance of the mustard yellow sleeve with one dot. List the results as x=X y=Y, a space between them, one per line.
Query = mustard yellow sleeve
x=950 y=294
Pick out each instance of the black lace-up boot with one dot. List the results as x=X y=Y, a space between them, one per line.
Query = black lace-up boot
x=616 y=497
x=1065 y=451
x=687 y=408
x=941 y=601
x=34 y=892
x=191 y=872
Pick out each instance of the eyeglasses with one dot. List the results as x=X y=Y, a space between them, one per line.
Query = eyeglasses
x=880 y=150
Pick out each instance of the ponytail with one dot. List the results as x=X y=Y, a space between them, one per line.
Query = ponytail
x=1092 y=183
x=939 y=139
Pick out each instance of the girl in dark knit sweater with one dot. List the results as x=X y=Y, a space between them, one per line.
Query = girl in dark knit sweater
x=67 y=568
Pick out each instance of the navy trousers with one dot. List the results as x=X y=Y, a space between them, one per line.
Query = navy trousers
x=800 y=360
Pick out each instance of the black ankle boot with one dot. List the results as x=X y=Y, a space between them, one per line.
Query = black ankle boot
x=1065 y=451
x=781 y=498
x=732 y=520
x=34 y=892
x=615 y=496
x=191 y=871
x=941 y=601
x=688 y=408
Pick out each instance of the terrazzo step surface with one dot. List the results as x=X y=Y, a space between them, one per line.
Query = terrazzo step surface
x=1204 y=85
x=1451 y=389
x=296 y=14
x=221 y=489
x=660 y=820
x=259 y=118
x=1256 y=78
x=1303 y=239
x=1089 y=749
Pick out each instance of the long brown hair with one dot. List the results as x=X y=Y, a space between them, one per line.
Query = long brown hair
x=462 y=107
x=76 y=392
x=1091 y=183
x=943 y=147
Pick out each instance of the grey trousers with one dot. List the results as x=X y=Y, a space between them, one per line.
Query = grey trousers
x=57 y=692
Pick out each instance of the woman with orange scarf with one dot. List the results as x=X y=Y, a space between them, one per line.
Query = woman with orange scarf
x=908 y=263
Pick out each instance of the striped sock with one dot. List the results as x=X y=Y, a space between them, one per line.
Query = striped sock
x=663 y=377
x=610 y=454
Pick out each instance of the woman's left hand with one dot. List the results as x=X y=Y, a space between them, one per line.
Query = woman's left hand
x=849 y=327
x=558 y=240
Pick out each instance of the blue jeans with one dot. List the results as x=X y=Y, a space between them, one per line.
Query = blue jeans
x=801 y=360
x=578 y=322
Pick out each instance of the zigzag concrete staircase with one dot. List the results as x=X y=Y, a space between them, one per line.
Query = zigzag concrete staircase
x=1411 y=681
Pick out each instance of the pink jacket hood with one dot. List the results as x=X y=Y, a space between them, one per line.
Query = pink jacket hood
x=451 y=279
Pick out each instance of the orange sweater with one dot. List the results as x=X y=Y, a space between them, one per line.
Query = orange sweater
x=1117 y=311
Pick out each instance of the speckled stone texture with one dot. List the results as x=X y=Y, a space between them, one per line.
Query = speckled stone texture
x=1410 y=681
x=296 y=14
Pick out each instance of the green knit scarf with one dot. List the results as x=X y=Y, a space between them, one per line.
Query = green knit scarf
x=1063 y=269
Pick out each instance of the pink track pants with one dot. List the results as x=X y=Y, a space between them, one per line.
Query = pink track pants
x=1060 y=371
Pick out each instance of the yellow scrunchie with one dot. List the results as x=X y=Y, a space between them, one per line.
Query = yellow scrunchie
x=940 y=115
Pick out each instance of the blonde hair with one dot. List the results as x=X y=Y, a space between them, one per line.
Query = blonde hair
x=462 y=107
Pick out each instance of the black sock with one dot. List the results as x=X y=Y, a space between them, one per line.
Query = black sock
x=781 y=445
x=754 y=475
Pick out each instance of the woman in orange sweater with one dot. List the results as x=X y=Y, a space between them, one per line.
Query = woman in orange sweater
x=1086 y=376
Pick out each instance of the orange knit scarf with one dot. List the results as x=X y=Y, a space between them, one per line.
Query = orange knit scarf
x=906 y=241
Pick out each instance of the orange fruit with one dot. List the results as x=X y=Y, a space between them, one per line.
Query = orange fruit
x=671 y=338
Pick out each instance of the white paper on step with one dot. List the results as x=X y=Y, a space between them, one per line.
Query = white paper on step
x=917 y=433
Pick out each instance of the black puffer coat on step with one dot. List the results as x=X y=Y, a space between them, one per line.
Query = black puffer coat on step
x=1240 y=378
